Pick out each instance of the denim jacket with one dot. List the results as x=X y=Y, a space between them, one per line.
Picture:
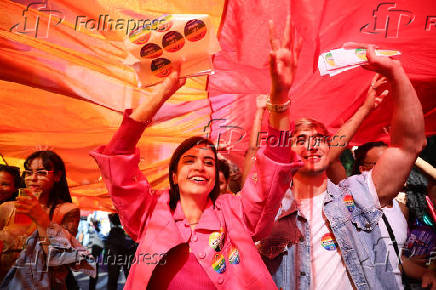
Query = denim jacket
x=287 y=252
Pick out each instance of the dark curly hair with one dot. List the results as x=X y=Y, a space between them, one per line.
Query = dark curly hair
x=360 y=154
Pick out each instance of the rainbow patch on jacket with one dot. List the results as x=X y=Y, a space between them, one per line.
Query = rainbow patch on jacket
x=328 y=242
x=349 y=202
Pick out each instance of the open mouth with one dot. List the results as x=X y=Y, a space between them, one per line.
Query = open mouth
x=198 y=179
x=314 y=158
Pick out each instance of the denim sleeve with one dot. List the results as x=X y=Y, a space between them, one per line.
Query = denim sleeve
x=66 y=250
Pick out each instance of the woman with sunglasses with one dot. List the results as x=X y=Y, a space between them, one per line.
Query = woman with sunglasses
x=190 y=236
x=46 y=215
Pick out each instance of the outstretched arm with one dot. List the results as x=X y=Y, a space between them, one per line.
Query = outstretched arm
x=161 y=92
x=407 y=129
x=118 y=161
x=336 y=171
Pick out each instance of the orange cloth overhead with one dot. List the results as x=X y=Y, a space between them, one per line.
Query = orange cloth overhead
x=53 y=77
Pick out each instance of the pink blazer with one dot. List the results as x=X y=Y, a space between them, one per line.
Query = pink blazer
x=236 y=221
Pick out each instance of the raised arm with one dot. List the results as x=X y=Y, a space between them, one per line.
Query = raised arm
x=407 y=129
x=270 y=176
x=253 y=146
x=118 y=161
x=336 y=171
x=283 y=65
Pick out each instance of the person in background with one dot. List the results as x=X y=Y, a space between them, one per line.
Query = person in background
x=50 y=229
x=121 y=250
x=9 y=183
x=98 y=229
x=327 y=235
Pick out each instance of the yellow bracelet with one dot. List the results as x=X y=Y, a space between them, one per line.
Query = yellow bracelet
x=279 y=108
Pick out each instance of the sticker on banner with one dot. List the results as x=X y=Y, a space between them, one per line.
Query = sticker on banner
x=195 y=30
x=349 y=202
x=161 y=67
x=219 y=263
x=151 y=50
x=140 y=35
x=165 y=22
x=328 y=242
x=173 y=41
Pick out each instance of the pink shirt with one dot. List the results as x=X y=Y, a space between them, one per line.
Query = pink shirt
x=222 y=242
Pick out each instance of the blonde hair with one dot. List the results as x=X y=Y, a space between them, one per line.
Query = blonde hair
x=310 y=124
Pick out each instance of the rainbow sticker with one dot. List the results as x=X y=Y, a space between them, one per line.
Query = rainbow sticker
x=216 y=240
x=151 y=50
x=195 y=30
x=361 y=53
x=173 y=41
x=165 y=22
x=329 y=59
x=219 y=263
x=161 y=67
x=234 y=256
x=328 y=242
x=140 y=35
x=349 y=202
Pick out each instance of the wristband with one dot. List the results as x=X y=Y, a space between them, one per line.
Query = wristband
x=279 y=108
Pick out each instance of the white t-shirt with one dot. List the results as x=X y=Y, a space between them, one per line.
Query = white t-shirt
x=328 y=269
x=398 y=223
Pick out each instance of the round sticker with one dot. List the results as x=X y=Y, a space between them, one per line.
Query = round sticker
x=140 y=35
x=219 y=263
x=328 y=242
x=173 y=41
x=161 y=67
x=195 y=30
x=151 y=50
x=349 y=202
x=329 y=59
x=165 y=23
x=361 y=53
x=234 y=256
x=216 y=240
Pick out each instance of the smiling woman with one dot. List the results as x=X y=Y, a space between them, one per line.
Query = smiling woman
x=53 y=219
x=206 y=238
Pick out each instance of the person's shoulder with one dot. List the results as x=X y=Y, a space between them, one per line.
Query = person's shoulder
x=6 y=209
x=361 y=178
x=7 y=205
x=227 y=199
x=67 y=207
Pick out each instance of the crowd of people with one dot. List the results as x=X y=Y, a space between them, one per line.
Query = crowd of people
x=292 y=218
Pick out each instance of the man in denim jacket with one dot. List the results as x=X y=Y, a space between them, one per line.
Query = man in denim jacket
x=327 y=235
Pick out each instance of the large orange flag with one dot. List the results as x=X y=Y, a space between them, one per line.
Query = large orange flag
x=64 y=84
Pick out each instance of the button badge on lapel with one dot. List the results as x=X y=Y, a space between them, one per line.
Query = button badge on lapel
x=216 y=240
x=219 y=263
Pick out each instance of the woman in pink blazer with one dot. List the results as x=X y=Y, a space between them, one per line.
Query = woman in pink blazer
x=189 y=236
